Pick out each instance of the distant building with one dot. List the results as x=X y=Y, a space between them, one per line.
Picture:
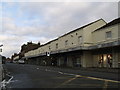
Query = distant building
x=25 y=48
x=29 y=46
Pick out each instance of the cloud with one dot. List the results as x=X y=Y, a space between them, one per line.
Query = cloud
x=44 y=21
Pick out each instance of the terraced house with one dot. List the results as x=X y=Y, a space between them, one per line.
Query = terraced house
x=96 y=44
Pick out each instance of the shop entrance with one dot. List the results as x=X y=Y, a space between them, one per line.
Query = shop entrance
x=105 y=60
x=76 y=61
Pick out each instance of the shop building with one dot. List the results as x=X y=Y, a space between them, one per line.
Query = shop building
x=93 y=45
x=107 y=40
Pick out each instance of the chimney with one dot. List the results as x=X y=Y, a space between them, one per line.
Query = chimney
x=38 y=43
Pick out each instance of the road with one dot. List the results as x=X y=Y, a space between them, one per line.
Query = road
x=33 y=76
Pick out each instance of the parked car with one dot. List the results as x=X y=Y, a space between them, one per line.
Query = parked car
x=21 y=61
x=15 y=61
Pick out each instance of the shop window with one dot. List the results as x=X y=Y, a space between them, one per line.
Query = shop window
x=101 y=61
x=109 y=58
x=71 y=35
x=49 y=48
x=108 y=34
x=76 y=61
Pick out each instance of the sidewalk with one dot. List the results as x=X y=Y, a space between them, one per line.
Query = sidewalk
x=107 y=70
x=96 y=69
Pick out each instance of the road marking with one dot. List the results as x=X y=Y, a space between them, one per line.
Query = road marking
x=71 y=79
x=105 y=85
x=102 y=79
x=37 y=68
x=61 y=72
x=76 y=75
x=4 y=82
x=69 y=74
x=85 y=85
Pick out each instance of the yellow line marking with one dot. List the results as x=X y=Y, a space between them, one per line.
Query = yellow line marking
x=98 y=79
x=71 y=79
x=85 y=84
x=77 y=76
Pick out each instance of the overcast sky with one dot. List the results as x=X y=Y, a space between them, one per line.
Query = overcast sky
x=21 y=22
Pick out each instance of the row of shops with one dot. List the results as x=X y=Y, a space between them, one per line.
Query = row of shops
x=103 y=58
x=99 y=47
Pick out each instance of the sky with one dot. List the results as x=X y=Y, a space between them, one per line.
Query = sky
x=37 y=21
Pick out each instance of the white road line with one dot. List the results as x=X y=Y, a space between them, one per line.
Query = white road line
x=4 y=82
x=69 y=74
x=10 y=80
x=60 y=72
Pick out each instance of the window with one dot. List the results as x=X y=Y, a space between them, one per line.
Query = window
x=108 y=34
x=80 y=39
x=71 y=35
x=49 y=48
x=66 y=42
x=56 y=45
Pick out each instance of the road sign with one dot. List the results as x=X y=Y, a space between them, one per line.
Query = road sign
x=48 y=53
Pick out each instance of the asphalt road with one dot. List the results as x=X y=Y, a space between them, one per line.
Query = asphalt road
x=33 y=76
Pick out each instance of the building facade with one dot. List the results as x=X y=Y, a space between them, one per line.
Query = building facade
x=25 y=48
x=93 y=45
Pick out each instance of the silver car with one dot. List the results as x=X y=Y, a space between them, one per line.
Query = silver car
x=21 y=61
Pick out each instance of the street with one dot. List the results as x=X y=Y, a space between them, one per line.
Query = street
x=33 y=76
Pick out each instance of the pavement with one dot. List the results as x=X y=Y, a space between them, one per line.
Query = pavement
x=97 y=69
x=34 y=76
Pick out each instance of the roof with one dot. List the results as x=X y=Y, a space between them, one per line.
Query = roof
x=82 y=27
x=115 y=21
x=50 y=41
x=72 y=31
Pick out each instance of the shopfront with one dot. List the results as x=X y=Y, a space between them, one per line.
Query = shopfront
x=105 y=60
x=76 y=61
x=107 y=57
